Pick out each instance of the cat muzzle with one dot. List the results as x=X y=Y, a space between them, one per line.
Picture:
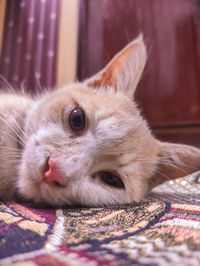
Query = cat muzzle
x=52 y=174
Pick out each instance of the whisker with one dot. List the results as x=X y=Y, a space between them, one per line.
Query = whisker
x=186 y=165
x=12 y=162
x=6 y=151
x=9 y=148
x=15 y=156
x=20 y=133
x=9 y=124
x=166 y=176
x=170 y=163
x=9 y=87
x=13 y=138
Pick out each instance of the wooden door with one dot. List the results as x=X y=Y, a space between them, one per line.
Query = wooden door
x=169 y=92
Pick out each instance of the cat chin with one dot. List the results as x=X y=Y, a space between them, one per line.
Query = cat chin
x=37 y=191
x=41 y=193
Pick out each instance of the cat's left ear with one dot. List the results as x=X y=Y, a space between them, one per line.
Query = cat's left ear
x=124 y=71
x=175 y=160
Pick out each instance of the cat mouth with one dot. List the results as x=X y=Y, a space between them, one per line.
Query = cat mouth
x=54 y=184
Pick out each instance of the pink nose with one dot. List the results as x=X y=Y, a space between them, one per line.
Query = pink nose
x=52 y=173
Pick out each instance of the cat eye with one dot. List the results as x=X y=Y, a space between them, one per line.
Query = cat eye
x=111 y=179
x=77 y=120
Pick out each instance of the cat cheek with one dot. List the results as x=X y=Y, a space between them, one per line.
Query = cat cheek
x=32 y=163
x=26 y=188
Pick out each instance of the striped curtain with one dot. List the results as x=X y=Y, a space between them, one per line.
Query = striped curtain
x=30 y=41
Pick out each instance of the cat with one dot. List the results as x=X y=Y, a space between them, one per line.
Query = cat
x=86 y=143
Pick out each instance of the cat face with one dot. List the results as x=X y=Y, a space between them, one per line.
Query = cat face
x=112 y=141
x=87 y=144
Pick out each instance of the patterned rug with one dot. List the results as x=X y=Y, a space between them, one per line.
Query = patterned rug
x=162 y=230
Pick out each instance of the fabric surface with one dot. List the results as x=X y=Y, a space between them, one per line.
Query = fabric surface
x=162 y=230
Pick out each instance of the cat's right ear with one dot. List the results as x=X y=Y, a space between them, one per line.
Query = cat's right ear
x=124 y=71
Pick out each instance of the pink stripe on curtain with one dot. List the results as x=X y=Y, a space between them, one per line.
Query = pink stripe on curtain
x=30 y=43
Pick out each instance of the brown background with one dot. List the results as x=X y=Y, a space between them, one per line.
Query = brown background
x=169 y=92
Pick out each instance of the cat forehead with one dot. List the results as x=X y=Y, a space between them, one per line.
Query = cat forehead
x=104 y=124
x=98 y=99
x=109 y=114
x=109 y=110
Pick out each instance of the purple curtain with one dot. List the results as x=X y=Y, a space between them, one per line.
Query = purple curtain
x=30 y=41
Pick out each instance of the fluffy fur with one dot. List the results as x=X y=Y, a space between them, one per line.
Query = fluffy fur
x=116 y=139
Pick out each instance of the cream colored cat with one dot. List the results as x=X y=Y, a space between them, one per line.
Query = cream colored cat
x=86 y=143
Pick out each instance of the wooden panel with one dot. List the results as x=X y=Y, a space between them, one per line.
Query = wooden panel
x=169 y=92
x=187 y=135
x=91 y=54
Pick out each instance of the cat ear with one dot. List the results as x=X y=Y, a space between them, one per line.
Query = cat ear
x=175 y=160
x=124 y=71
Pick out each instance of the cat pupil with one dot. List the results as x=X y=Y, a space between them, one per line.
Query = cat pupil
x=77 y=119
x=77 y=122
x=111 y=179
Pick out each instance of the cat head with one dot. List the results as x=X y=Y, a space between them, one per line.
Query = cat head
x=86 y=143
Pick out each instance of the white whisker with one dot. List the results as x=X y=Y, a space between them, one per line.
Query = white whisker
x=14 y=125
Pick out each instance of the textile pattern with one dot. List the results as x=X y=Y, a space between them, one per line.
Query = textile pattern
x=153 y=232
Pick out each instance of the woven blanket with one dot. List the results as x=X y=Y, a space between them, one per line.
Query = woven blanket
x=162 y=230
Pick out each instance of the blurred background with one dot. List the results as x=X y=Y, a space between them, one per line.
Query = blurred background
x=47 y=43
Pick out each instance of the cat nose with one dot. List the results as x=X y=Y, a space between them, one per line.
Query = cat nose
x=52 y=173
